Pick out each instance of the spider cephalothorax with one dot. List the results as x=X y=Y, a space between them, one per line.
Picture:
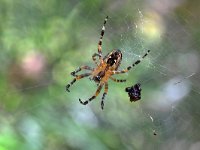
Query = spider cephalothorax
x=105 y=68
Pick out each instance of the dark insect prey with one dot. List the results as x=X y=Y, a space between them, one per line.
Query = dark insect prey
x=134 y=92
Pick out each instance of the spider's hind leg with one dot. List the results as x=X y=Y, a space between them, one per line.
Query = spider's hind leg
x=101 y=37
x=133 y=65
x=78 y=77
x=99 y=54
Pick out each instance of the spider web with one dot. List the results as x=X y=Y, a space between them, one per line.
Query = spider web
x=36 y=109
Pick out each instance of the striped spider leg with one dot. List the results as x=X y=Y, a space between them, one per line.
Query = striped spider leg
x=133 y=65
x=99 y=54
x=78 y=77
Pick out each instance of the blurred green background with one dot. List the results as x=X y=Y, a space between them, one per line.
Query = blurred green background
x=41 y=42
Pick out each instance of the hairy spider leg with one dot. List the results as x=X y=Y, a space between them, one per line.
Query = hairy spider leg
x=81 y=68
x=134 y=64
x=104 y=94
x=101 y=37
x=78 y=77
x=94 y=59
x=100 y=43
x=94 y=96
x=118 y=80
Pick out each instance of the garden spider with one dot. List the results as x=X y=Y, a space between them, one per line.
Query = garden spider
x=105 y=68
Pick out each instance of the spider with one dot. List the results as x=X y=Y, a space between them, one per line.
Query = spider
x=106 y=67
x=134 y=92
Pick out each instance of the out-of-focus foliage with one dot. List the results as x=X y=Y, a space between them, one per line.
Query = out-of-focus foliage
x=41 y=42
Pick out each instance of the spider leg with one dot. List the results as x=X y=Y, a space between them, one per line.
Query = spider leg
x=93 y=97
x=101 y=38
x=104 y=94
x=81 y=68
x=78 y=77
x=133 y=65
x=118 y=80
x=95 y=55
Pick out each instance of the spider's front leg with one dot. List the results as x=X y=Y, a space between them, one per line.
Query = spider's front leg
x=93 y=97
x=78 y=77
x=81 y=68
x=104 y=94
